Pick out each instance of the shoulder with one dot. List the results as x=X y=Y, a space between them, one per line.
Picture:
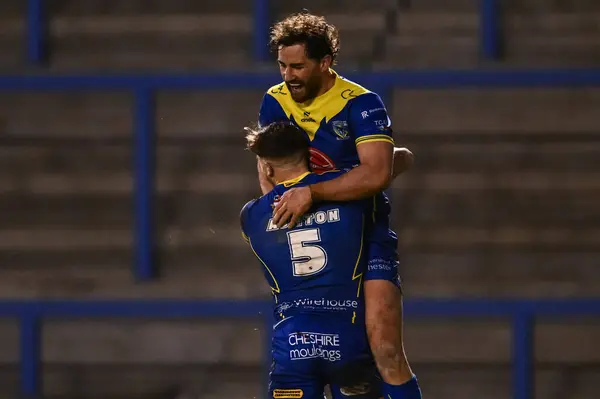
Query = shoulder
x=369 y=101
x=350 y=90
x=277 y=96
x=260 y=205
x=245 y=212
x=280 y=89
x=273 y=103
x=360 y=98
x=257 y=204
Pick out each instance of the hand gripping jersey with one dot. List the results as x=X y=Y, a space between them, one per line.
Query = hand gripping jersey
x=336 y=122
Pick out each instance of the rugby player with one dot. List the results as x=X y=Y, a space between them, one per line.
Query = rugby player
x=348 y=128
x=314 y=271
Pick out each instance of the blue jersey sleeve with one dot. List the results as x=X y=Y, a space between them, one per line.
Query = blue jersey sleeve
x=270 y=111
x=244 y=216
x=369 y=120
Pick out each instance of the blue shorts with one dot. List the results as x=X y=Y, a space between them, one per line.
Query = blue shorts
x=311 y=351
x=382 y=244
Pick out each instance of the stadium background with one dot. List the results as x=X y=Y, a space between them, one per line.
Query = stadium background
x=498 y=220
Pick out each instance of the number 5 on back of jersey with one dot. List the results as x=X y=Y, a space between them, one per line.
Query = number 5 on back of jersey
x=307 y=257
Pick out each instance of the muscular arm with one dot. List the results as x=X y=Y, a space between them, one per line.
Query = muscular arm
x=373 y=175
x=370 y=127
x=380 y=162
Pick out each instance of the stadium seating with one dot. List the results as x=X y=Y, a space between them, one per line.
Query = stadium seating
x=502 y=201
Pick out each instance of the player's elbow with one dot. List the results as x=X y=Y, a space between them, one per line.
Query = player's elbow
x=382 y=178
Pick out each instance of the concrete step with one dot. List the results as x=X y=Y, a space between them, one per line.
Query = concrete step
x=158 y=50
x=440 y=5
x=498 y=110
x=500 y=274
x=73 y=381
x=495 y=382
x=463 y=154
x=117 y=211
x=242 y=184
x=579 y=50
x=13 y=8
x=436 y=24
x=12 y=41
x=148 y=62
x=149 y=41
x=66 y=114
x=213 y=113
x=332 y=7
x=496 y=209
x=108 y=26
x=136 y=7
x=108 y=115
x=360 y=50
x=51 y=239
x=120 y=261
x=556 y=6
x=12 y=56
x=90 y=157
x=428 y=51
x=207 y=271
x=564 y=23
x=371 y=19
x=499 y=238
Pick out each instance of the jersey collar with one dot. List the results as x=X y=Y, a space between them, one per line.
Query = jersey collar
x=294 y=181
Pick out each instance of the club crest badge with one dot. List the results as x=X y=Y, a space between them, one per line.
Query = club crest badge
x=340 y=128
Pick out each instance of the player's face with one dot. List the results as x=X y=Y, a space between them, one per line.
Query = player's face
x=301 y=74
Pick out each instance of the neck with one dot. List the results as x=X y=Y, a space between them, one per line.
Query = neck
x=328 y=82
x=285 y=174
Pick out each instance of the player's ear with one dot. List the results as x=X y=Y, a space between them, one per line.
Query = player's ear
x=325 y=63
x=269 y=171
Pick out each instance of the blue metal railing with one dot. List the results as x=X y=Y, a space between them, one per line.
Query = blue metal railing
x=36 y=32
x=489 y=29
x=522 y=313
x=37 y=22
x=262 y=22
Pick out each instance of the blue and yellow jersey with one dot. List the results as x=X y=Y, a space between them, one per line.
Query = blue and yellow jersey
x=317 y=266
x=336 y=122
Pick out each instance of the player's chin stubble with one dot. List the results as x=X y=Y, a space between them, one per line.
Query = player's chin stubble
x=308 y=91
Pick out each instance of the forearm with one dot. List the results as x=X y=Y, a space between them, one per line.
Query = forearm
x=358 y=183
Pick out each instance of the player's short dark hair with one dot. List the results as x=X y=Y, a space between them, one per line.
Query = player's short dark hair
x=319 y=37
x=279 y=141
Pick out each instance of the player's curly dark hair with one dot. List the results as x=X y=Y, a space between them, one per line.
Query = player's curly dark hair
x=319 y=37
x=279 y=141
